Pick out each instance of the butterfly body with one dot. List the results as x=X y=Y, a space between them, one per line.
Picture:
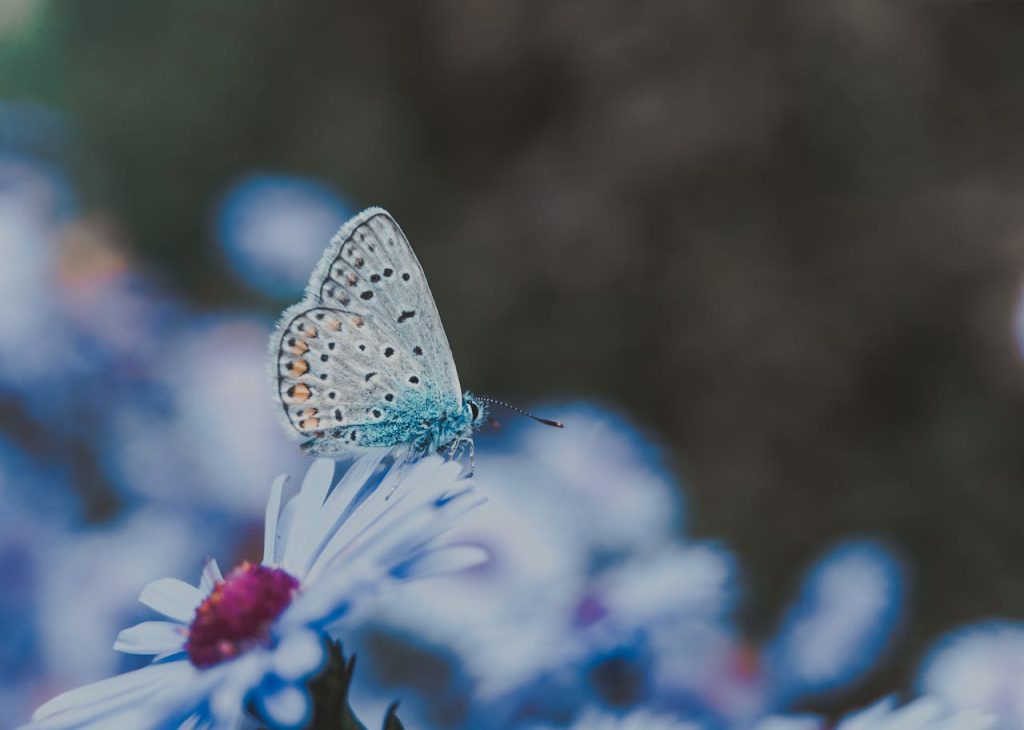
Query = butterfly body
x=362 y=362
x=425 y=421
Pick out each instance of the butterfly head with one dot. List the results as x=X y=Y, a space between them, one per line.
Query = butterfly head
x=474 y=409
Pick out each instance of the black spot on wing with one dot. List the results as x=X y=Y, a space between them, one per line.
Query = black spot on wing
x=406 y=314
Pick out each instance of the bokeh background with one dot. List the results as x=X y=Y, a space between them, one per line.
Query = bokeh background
x=785 y=239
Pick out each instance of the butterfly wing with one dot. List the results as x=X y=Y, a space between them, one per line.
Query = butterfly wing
x=366 y=333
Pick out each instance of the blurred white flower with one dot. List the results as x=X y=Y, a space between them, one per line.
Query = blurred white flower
x=840 y=624
x=593 y=719
x=590 y=592
x=926 y=713
x=980 y=667
x=790 y=722
x=667 y=585
x=565 y=508
x=98 y=572
x=274 y=228
x=676 y=603
x=600 y=471
x=509 y=618
x=210 y=433
x=256 y=635
x=30 y=199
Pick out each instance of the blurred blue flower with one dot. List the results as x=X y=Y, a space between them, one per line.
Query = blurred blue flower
x=274 y=228
x=840 y=625
x=19 y=569
x=255 y=636
x=31 y=492
x=205 y=431
x=980 y=667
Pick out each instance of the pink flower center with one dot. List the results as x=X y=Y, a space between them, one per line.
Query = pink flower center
x=238 y=613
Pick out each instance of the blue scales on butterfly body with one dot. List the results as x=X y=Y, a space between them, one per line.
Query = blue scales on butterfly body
x=362 y=361
x=423 y=419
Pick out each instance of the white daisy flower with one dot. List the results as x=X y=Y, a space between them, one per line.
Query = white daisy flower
x=253 y=638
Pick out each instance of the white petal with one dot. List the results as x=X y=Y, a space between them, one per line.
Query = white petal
x=284 y=526
x=401 y=530
x=271 y=519
x=173 y=598
x=211 y=577
x=384 y=505
x=94 y=701
x=310 y=500
x=242 y=675
x=151 y=637
x=299 y=655
x=288 y=707
x=345 y=496
x=441 y=560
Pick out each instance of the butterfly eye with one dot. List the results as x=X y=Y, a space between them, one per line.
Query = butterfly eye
x=474 y=411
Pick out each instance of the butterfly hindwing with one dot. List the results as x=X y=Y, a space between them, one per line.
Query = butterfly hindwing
x=366 y=339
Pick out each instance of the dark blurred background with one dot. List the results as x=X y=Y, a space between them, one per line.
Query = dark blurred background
x=786 y=237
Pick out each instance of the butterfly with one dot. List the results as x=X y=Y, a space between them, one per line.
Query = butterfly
x=362 y=361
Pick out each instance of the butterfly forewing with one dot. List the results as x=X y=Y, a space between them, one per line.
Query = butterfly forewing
x=367 y=332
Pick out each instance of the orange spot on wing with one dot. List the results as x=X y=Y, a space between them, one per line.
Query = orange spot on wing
x=298 y=367
x=301 y=348
x=309 y=423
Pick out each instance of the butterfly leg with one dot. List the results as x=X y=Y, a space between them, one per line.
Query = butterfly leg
x=459 y=447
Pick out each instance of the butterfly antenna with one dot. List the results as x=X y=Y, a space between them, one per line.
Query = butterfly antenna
x=538 y=419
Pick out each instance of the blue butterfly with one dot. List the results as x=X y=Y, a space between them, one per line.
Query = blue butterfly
x=362 y=361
